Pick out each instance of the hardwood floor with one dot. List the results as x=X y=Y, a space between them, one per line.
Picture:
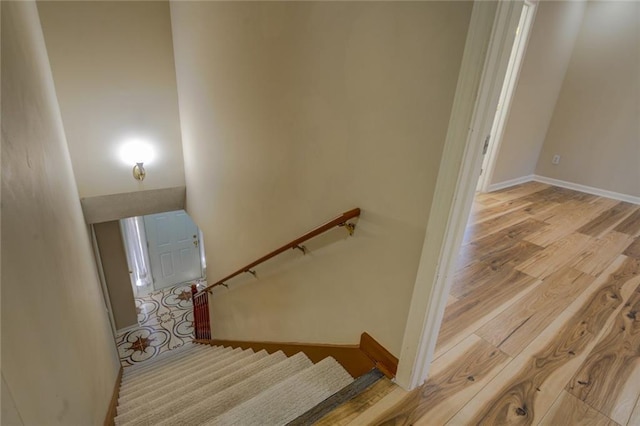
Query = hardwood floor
x=543 y=322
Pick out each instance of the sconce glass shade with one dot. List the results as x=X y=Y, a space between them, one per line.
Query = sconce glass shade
x=139 y=172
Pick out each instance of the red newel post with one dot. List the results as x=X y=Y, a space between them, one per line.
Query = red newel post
x=194 y=290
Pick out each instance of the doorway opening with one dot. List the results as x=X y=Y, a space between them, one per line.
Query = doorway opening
x=492 y=142
x=163 y=250
x=485 y=61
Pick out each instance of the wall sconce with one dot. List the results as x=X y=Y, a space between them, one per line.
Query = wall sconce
x=137 y=152
x=139 y=172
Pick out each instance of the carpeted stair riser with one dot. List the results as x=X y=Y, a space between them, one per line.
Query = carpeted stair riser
x=201 y=384
x=163 y=358
x=195 y=385
x=151 y=370
x=174 y=374
x=178 y=361
x=179 y=365
x=228 y=377
x=212 y=406
x=287 y=399
x=181 y=351
x=187 y=381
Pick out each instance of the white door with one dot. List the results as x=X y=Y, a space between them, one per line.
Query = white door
x=174 y=250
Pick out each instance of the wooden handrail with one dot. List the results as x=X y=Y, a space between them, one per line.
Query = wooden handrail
x=338 y=221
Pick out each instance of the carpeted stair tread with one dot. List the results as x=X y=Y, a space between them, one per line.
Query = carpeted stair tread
x=136 y=370
x=224 y=386
x=226 y=377
x=288 y=399
x=180 y=364
x=212 y=406
x=174 y=362
x=173 y=353
x=178 y=372
x=131 y=377
x=209 y=371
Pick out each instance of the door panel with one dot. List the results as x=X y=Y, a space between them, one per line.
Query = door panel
x=173 y=248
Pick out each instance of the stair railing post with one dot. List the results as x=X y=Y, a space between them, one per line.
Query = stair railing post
x=194 y=290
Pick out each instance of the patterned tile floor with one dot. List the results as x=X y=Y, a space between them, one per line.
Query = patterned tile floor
x=165 y=322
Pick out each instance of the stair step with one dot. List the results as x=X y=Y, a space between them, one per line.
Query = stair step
x=212 y=406
x=161 y=371
x=285 y=400
x=228 y=376
x=223 y=386
x=167 y=356
x=152 y=370
x=176 y=373
x=208 y=371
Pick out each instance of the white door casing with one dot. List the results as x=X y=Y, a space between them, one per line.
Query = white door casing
x=484 y=63
x=506 y=94
x=174 y=250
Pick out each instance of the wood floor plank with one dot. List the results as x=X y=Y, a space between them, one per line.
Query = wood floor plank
x=546 y=261
x=575 y=211
x=393 y=398
x=498 y=210
x=566 y=219
x=512 y=330
x=634 y=249
x=606 y=379
x=476 y=231
x=525 y=390
x=453 y=382
x=600 y=252
x=478 y=276
x=608 y=219
x=518 y=191
x=504 y=238
x=569 y=410
x=631 y=225
x=635 y=416
x=556 y=194
x=451 y=299
x=348 y=411
x=471 y=312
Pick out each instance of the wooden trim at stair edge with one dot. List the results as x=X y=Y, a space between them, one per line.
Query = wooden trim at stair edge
x=351 y=357
x=111 y=413
x=382 y=358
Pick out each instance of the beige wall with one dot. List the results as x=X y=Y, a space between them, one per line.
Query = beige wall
x=10 y=415
x=547 y=57
x=114 y=73
x=58 y=356
x=595 y=126
x=116 y=273
x=293 y=113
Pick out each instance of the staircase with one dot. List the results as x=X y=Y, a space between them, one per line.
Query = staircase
x=215 y=385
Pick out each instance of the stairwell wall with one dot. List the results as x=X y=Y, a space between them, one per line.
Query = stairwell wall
x=293 y=113
x=114 y=74
x=59 y=361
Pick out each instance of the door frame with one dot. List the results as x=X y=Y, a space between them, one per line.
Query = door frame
x=507 y=92
x=486 y=55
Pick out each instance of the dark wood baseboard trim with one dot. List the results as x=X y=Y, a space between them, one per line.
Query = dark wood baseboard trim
x=113 y=405
x=382 y=358
x=356 y=359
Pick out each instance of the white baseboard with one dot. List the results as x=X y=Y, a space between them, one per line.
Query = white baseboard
x=588 y=189
x=511 y=182
x=564 y=184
